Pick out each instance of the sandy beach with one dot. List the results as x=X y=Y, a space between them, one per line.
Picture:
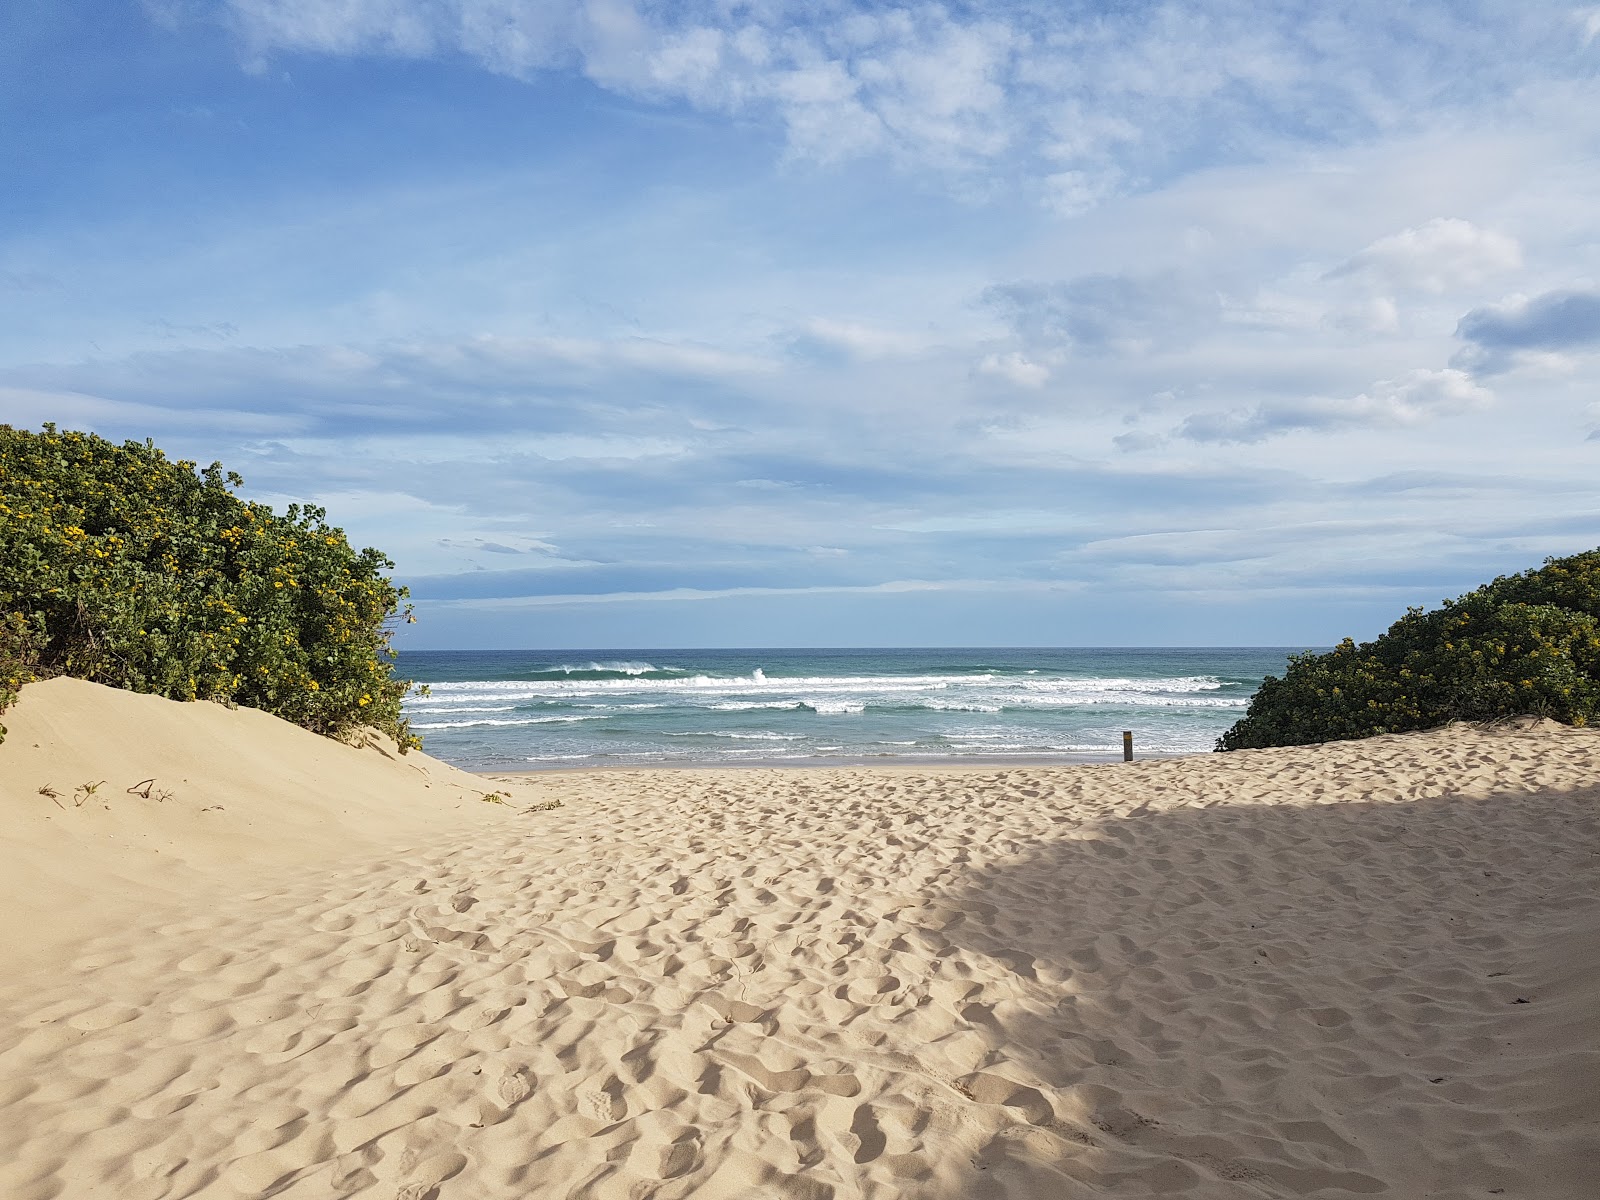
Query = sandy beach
x=241 y=960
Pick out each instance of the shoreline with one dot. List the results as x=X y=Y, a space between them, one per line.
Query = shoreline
x=896 y=762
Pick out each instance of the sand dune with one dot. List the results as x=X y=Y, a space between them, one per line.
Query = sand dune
x=1360 y=969
x=183 y=797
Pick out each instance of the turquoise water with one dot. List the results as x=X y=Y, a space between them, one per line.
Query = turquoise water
x=532 y=709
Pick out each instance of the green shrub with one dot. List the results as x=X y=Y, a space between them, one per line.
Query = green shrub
x=1525 y=644
x=120 y=566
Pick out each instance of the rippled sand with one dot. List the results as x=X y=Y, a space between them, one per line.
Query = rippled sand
x=1361 y=969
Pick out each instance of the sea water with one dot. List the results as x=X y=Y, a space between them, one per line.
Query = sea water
x=533 y=709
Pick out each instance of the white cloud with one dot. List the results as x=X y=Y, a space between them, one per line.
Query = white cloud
x=912 y=82
x=1420 y=396
x=1441 y=255
x=26 y=407
x=511 y=37
x=1375 y=314
x=1077 y=102
x=1409 y=400
x=503 y=543
x=1072 y=193
x=563 y=448
x=403 y=28
x=1185 y=546
x=1135 y=441
x=891 y=587
x=513 y=354
x=1589 y=22
x=1108 y=314
x=1015 y=368
x=861 y=340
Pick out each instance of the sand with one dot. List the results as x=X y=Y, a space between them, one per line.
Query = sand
x=313 y=971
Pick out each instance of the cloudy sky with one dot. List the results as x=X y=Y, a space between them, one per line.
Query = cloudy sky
x=705 y=322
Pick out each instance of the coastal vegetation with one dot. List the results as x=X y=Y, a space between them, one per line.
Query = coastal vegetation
x=1526 y=644
x=123 y=567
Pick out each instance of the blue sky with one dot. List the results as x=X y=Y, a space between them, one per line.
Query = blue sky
x=779 y=323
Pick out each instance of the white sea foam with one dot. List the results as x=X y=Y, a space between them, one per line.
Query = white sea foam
x=758 y=682
x=831 y=695
x=1027 y=748
x=741 y=735
x=832 y=708
x=497 y=691
x=622 y=668
x=452 y=709
x=1128 y=699
x=518 y=721
x=1180 y=683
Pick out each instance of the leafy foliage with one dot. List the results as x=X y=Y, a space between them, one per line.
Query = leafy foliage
x=1525 y=644
x=120 y=566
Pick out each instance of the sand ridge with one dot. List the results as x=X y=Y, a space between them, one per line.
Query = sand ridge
x=1359 y=969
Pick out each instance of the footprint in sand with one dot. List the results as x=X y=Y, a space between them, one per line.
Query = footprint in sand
x=514 y=1088
x=985 y=1088
x=426 y=1175
x=869 y=1137
x=604 y=1103
x=655 y=1159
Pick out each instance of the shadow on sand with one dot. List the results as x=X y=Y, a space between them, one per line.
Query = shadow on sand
x=1321 y=1000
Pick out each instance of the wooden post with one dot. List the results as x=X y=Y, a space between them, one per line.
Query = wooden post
x=1127 y=745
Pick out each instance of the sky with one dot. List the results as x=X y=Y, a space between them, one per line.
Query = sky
x=714 y=323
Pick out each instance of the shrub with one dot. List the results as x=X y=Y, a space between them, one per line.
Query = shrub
x=120 y=566
x=1525 y=644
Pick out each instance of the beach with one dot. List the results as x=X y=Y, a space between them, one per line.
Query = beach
x=248 y=961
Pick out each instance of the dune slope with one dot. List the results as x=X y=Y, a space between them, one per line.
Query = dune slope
x=111 y=801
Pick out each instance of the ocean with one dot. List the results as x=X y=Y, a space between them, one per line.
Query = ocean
x=538 y=709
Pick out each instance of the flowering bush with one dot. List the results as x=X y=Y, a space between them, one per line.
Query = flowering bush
x=123 y=567
x=1524 y=644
